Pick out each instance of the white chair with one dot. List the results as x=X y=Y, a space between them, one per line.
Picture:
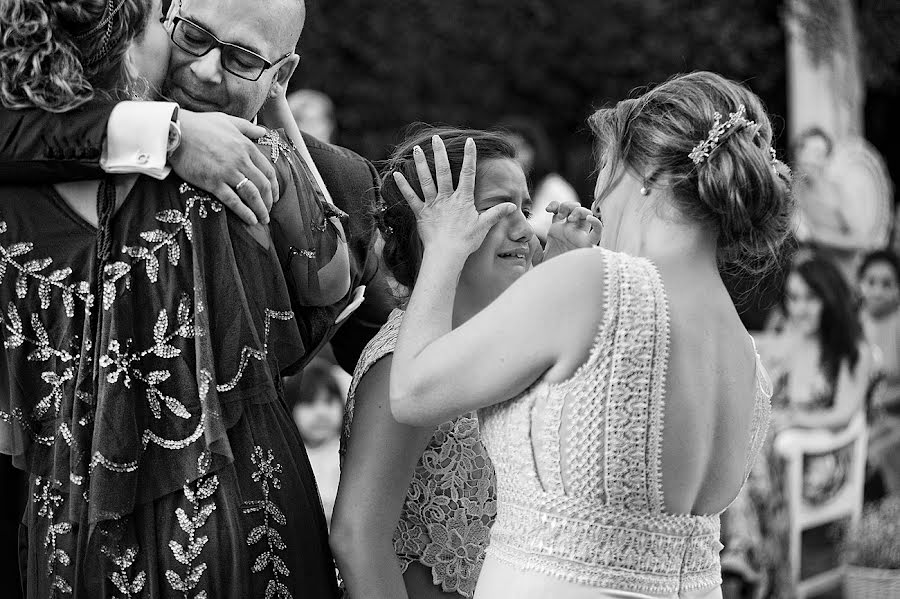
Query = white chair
x=792 y=445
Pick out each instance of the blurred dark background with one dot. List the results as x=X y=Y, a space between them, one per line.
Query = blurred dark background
x=387 y=63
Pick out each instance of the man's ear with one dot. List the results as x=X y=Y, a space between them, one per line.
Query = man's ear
x=283 y=75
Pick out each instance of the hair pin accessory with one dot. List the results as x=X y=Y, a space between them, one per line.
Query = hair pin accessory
x=735 y=119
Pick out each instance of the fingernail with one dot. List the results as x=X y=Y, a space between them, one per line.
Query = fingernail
x=470 y=143
x=416 y=150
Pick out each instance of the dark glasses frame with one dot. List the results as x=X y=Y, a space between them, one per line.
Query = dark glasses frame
x=215 y=42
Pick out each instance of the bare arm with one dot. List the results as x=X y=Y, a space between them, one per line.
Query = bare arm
x=380 y=461
x=848 y=397
x=436 y=373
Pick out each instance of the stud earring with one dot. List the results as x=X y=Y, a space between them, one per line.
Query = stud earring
x=645 y=191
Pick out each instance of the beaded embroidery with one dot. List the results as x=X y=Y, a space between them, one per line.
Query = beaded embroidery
x=196 y=493
x=50 y=499
x=598 y=518
x=266 y=474
x=446 y=518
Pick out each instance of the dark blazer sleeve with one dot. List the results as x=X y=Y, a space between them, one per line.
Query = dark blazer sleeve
x=353 y=183
x=46 y=147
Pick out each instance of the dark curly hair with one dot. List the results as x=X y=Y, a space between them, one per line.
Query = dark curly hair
x=402 y=253
x=55 y=54
x=738 y=190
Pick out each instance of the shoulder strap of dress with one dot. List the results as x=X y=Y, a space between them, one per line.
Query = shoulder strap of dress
x=633 y=350
x=762 y=411
x=379 y=346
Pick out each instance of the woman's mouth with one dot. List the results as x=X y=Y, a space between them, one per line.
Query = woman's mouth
x=518 y=255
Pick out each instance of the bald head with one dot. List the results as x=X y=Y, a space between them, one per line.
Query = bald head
x=269 y=28
x=282 y=20
x=291 y=20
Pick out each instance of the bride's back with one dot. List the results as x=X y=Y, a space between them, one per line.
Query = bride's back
x=712 y=384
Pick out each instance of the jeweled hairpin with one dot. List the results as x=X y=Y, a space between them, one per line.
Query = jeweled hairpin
x=735 y=119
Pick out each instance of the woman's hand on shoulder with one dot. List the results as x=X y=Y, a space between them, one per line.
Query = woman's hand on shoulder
x=217 y=152
x=573 y=227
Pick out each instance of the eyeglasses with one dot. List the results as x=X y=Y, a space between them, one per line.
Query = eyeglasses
x=238 y=61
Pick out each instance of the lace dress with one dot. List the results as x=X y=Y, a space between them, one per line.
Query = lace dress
x=595 y=515
x=140 y=390
x=450 y=506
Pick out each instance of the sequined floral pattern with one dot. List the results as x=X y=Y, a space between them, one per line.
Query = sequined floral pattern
x=267 y=476
x=49 y=501
x=450 y=506
x=198 y=494
x=141 y=358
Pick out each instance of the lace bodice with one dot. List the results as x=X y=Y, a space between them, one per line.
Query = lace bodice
x=595 y=515
x=451 y=502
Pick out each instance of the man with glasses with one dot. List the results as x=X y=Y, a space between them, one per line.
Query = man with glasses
x=231 y=57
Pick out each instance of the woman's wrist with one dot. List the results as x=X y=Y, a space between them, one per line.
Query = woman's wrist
x=448 y=256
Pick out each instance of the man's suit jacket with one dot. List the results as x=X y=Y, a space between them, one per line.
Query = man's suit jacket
x=40 y=147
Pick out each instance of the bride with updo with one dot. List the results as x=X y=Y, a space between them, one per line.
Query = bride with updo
x=638 y=410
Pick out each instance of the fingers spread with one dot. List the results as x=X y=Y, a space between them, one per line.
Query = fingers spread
x=467 y=173
x=442 y=167
x=494 y=215
x=409 y=194
x=424 y=174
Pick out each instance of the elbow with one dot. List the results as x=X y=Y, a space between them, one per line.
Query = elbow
x=343 y=538
x=406 y=408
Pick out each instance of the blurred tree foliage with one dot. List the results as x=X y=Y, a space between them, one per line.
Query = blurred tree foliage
x=387 y=63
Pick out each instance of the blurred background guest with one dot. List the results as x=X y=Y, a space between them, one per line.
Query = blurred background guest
x=879 y=288
x=820 y=369
x=538 y=159
x=844 y=197
x=314 y=113
x=316 y=400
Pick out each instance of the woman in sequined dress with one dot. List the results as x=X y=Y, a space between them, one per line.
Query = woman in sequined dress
x=638 y=410
x=416 y=504
x=145 y=330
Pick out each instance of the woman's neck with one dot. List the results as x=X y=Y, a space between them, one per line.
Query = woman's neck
x=465 y=307
x=669 y=240
x=81 y=196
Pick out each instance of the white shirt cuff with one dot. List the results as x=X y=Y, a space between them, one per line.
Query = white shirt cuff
x=137 y=138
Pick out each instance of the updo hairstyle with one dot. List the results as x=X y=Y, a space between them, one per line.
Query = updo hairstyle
x=402 y=253
x=54 y=54
x=739 y=190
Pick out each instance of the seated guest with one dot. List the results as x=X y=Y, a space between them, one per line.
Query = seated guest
x=879 y=287
x=820 y=371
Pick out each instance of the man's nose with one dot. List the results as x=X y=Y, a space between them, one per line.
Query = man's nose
x=208 y=68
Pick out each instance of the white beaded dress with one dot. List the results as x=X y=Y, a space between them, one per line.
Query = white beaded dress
x=579 y=464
